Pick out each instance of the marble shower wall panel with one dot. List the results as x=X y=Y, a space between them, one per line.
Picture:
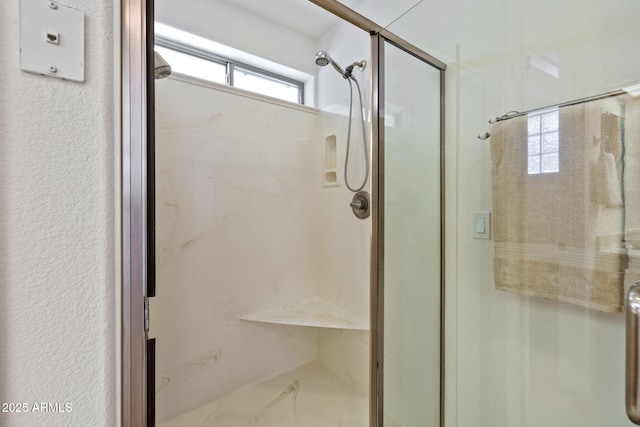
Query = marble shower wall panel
x=344 y=248
x=345 y=241
x=346 y=353
x=236 y=233
x=309 y=396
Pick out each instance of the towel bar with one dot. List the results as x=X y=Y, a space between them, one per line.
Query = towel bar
x=633 y=354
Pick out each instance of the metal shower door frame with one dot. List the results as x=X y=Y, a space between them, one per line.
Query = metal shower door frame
x=137 y=220
x=378 y=42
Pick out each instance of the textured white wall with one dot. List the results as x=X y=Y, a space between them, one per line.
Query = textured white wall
x=57 y=232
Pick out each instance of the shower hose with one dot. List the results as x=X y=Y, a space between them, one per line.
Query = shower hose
x=364 y=139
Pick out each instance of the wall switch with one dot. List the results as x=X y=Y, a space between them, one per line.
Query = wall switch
x=52 y=39
x=482 y=225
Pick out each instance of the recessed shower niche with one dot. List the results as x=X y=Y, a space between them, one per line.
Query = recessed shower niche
x=330 y=176
x=261 y=314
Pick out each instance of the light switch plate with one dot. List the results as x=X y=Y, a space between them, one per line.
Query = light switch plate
x=52 y=39
x=481 y=225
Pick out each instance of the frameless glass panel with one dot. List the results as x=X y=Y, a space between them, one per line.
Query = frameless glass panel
x=535 y=328
x=412 y=241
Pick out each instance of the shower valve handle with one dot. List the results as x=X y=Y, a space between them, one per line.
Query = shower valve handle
x=360 y=204
x=357 y=204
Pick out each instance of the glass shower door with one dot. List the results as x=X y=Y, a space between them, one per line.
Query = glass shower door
x=412 y=239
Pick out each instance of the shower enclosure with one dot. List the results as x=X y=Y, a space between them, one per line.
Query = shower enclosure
x=271 y=298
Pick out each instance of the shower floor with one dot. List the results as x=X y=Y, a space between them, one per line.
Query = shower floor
x=308 y=396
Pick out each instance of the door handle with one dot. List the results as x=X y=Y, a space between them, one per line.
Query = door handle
x=633 y=354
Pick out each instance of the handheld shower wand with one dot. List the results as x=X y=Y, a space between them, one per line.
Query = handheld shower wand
x=323 y=58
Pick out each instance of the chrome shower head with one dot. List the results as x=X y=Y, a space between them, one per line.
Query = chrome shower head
x=161 y=67
x=323 y=58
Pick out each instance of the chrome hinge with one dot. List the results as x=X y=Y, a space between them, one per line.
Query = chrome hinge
x=146 y=314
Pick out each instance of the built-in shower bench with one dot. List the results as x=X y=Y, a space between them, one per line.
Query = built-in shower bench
x=313 y=312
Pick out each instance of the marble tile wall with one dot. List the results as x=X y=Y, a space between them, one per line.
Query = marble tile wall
x=308 y=396
x=235 y=232
x=345 y=244
x=243 y=225
x=345 y=241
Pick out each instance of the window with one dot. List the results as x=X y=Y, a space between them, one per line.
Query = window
x=543 y=142
x=183 y=63
x=266 y=85
x=202 y=64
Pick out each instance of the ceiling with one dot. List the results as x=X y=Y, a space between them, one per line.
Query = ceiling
x=300 y=16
